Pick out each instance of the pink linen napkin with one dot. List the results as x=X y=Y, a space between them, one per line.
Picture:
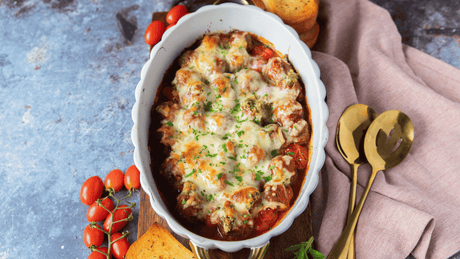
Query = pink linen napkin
x=413 y=208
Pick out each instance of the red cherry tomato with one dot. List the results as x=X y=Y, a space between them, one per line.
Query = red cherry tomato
x=98 y=255
x=91 y=190
x=114 y=180
x=262 y=51
x=120 y=247
x=176 y=13
x=300 y=155
x=93 y=236
x=132 y=178
x=121 y=213
x=169 y=26
x=265 y=219
x=97 y=213
x=154 y=32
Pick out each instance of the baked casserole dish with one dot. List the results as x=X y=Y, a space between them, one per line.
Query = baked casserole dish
x=231 y=144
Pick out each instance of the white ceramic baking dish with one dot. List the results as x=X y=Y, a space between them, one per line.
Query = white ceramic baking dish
x=225 y=17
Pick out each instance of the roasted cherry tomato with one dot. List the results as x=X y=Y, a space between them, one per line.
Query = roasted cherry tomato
x=122 y=213
x=120 y=247
x=132 y=178
x=98 y=255
x=300 y=155
x=176 y=13
x=154 y=32
x=97 y=213
x=265 y=219
x=263 y=52
x=93 y=236
x=91 y=190
x=114 y=180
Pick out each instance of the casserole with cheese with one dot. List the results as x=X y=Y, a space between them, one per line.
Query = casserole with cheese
x=230 y=111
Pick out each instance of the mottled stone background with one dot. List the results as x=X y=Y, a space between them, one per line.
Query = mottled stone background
x=68 y=70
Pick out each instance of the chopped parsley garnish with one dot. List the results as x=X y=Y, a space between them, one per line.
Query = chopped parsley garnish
x=169 y=123
x=211 y=155
x=271 y=167
x=224 y=147
x=183 y=201
x=219 y=175
x=229 y=183
x=274 y=152
x=267 y=178
x=290 y=153
x=239 y=133
x=232 y=158
x=190 y=174
x=239 y=178
x=236 y=108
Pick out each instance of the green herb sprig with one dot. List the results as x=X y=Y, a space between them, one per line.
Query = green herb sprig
x=302 y=250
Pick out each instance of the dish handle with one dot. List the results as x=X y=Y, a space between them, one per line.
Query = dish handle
x=256 y=252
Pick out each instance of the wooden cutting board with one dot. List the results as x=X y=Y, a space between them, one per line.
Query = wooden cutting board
x=300 y=231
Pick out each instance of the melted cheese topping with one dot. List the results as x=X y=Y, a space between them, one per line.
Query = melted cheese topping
x=225 y=155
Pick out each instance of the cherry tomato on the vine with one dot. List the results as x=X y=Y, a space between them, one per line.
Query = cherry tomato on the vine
x=132 y=178
x=265 y=219
x=176 y=13
x=121 y=213
x=300 y=155
x=114 y=180
x=154 y=32
x=97 y=255
x=97 y=213
x=93 y=236
x=91 y=190
x=120 y=247
x=169 y=26
x=262 y=51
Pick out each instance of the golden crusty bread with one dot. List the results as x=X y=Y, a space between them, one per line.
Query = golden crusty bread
x=301 y=15
x=290 y=11
x=310 y=36
x=158 y=243
x=304 y=26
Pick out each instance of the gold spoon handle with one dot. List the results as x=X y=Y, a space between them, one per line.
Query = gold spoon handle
x=351 y=206
x=340 y=249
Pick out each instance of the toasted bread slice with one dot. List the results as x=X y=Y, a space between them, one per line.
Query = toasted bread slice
x=293 y=11
x=310 y=36
x=260 y=3
x=304 y=26
x=158 y=243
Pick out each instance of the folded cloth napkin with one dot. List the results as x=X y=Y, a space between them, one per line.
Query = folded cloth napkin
x=413 y=208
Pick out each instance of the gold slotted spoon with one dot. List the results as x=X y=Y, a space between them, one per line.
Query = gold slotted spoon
x=387 y=142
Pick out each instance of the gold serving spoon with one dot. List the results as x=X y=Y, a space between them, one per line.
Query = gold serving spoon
x=387 y=142
x=349 y=139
